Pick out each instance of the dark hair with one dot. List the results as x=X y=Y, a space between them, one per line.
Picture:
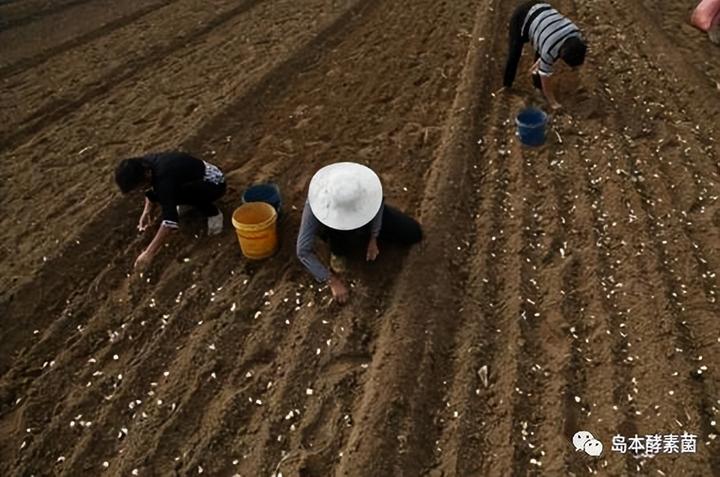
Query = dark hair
x=129 y=174
x=573 y=51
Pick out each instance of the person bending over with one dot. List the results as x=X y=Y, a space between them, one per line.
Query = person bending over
x=552 y=36
x=173 y=179
x=345 y=208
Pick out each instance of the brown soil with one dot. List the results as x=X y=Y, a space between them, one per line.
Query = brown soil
x=582 y=274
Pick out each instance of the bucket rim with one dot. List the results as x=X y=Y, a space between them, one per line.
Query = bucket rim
x=259 y=226
x=270 y=185
x=269 y=192
x=542 y=120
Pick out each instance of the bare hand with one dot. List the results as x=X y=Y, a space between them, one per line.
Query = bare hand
x=535 y=67
x=143 y=260
x=144 y=222
x=338 y=289
x=372 y=250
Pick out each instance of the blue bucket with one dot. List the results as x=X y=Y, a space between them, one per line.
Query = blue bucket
x=531 y=125
x=269 y=193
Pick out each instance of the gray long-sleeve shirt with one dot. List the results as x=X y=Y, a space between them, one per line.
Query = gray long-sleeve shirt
x=309 y=227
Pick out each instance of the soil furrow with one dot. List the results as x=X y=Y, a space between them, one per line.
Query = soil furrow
x=469 y=407
x=99 y=160
x=418 y=344
x=524 y=313
x=55 y=7
x=163 y=344
x=648 y=371
x=666 y=230
x=566 y=243
x=56 y=110
x=614 y=315
x=567 y=288
x=31 y=62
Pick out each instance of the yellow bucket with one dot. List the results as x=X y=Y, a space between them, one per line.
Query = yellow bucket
x=256 y=228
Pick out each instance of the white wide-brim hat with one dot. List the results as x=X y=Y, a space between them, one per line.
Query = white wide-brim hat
x=345 y=195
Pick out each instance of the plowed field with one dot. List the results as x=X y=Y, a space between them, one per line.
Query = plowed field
x=580 y=275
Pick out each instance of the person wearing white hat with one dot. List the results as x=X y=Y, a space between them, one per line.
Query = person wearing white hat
x=345 y=204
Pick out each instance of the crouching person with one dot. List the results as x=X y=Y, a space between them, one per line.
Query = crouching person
x=172 y=179
x=345 y=208
x=552 y=36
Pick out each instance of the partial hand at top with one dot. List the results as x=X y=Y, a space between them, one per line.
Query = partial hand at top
x=372 y=250
x=143 y=260
x=338 y=289
x=144 y=223
x=535 y=67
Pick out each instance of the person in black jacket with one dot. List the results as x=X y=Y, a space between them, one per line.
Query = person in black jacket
x=175 y=179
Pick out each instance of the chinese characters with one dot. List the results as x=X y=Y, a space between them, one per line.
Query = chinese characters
x=655 y=444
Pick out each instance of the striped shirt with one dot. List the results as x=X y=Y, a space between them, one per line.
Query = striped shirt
x=547 y=30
